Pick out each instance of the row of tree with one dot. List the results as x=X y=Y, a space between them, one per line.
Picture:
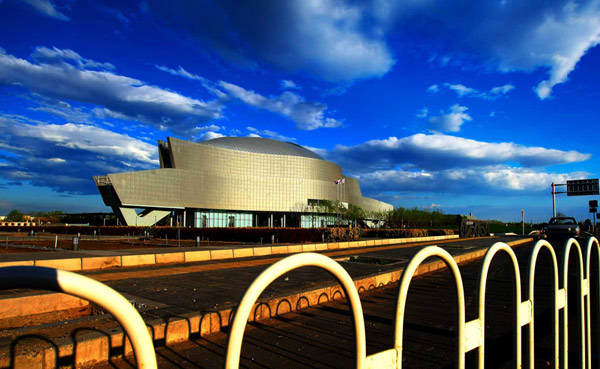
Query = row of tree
x=35 y=216
x=397 y=218
x=419 y=218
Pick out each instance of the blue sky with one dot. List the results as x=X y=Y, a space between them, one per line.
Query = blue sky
x=471 y=106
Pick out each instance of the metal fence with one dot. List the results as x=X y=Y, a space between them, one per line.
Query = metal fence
x=86 y=288
x=470 y=335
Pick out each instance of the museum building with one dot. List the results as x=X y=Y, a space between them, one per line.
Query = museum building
x=233 y=182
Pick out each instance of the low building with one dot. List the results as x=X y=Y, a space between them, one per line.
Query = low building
x=234 y=182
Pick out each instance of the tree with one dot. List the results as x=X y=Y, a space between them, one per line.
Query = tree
x=15 y=216
x=355 y=213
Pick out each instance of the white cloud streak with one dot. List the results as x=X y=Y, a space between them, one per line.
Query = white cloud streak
x=289 y=85
x=270 y=134
x=181 y=73
x=488 y=180
x=451 y=121
x=341 y=44
x=462 y=90
x=46 y=8
x=64 y=157
x=307 y=115
x=442 y=152
x=348 y=40
x=516 y=36
x=126 y=97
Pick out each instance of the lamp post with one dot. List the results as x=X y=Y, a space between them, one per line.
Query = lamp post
x=523 y=220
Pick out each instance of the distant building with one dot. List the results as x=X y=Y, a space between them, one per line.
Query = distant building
x=234 y=182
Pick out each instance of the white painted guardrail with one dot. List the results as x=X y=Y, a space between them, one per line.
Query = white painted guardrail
x=470 y=335
x=51 y=279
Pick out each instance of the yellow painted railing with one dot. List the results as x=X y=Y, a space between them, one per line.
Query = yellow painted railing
x=470 y=335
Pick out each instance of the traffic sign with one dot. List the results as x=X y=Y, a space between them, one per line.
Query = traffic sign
x=593 y=210
x=593 y=203
x=583 y=187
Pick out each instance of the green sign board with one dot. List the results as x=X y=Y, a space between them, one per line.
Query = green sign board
x=583 y=187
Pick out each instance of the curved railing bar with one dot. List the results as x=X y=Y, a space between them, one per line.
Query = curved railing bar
x=42 y=278
x=483 y=273
x=557 y=306
x=405 y=280
x=588 y=259
x=565 y=271
x=236 y=334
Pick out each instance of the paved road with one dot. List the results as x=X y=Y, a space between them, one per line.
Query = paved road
x=321 y=337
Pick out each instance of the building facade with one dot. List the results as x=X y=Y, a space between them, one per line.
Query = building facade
x=233 y=182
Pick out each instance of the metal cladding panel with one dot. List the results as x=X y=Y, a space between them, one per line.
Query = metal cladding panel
x=210 y=177
x=192 y=156
x=262 y=146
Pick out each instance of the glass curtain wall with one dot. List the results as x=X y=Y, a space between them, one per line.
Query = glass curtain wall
x=218 y=218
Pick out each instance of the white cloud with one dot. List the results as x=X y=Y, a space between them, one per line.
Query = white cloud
x=451 y=121
x=501 y=90
x=289 y=85
x=180 y=72
x=66 y=57
x=62 y=110
x=270 y=134
x=207 y=132
x=46 y=8
x=81 y=151
x=516 y=35
x=433 y=89
x=205 y=136
x=443 y=152
x=488 y=180
x=341 y=43
x=127 y=98
x=462 y=90
x=348 y=40
x=307 y=115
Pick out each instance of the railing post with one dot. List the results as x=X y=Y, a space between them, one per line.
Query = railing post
x=557 y=304
x=565 y=272
x=588 y=260
x=405 y=280
x=242 y=312
x=519 y=306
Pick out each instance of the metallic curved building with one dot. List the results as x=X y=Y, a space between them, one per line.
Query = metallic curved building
x=233 y=182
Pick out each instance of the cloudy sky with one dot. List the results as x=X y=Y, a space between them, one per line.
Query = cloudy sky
x=472 y=106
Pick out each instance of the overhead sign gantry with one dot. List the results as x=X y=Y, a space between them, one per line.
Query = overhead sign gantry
x=576 y=187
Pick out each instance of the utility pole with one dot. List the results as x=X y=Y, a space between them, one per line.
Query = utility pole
x=554 y=185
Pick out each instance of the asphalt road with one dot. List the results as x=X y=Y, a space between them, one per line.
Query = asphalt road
x=322 y=337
